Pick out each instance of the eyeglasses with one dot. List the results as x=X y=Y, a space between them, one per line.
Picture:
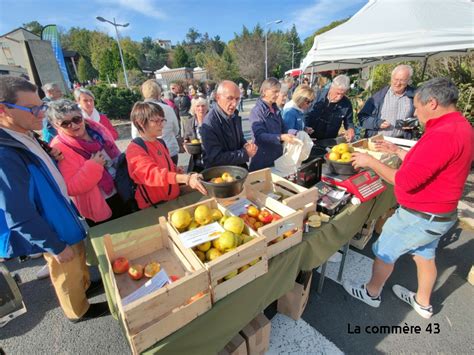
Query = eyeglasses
x=68 y=124
x=157 y=120
x=35 y=110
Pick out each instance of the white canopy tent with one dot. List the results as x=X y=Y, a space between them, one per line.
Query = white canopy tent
x=394 y=30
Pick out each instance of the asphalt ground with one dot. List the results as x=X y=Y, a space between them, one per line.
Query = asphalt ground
x=45 y=330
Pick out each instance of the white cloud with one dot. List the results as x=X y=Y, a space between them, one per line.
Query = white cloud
x=144 y=7
x=321 y=13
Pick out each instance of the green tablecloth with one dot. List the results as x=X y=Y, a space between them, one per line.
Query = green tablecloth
x=211 y=331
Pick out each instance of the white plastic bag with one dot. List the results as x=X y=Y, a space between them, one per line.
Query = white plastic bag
x=294 y=154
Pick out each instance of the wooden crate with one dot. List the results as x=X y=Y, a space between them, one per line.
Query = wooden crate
x=228 y=262
x=290 y=219
x=298 y=197
x=152 y=317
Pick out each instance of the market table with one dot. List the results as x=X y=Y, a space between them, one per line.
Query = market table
x=210 y=332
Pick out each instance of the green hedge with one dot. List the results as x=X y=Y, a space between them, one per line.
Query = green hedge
x=116 y=103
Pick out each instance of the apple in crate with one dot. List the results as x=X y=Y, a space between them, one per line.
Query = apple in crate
x=151 y=269
x=120 y=265
x=135 y=272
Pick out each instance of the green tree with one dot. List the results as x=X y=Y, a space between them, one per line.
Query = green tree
x=85 y=70
x=34 y=26
x=193 y=36
x=308 y=42
x=180 y=57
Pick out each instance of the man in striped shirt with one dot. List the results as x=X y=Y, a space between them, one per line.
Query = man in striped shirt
x=390 y=104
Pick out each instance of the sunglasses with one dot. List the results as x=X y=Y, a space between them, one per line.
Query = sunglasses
x=76 y=120
x=35 y=110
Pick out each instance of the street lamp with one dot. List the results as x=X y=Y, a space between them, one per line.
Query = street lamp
x=266 y=44
x=293 y=55
x=101 y=19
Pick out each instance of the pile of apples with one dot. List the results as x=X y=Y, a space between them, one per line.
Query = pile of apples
x=256 y=218
x=225 y=177
x=121 y=265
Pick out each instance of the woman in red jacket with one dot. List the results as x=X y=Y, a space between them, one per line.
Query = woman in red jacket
x=153 y=170
x=85 y=99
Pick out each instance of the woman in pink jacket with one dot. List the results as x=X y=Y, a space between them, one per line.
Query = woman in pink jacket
x=88 y=166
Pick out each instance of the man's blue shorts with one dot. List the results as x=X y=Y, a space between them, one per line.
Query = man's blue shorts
x=405 y=233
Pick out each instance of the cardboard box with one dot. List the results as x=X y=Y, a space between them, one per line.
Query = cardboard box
x=470 y=276
x=293 y=303
x=361 y=239
x=257 y=335
x=237 y=346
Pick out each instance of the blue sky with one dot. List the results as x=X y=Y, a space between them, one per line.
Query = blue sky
x=171 y=19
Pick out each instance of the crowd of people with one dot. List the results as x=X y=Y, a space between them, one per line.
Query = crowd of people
x=56 y=186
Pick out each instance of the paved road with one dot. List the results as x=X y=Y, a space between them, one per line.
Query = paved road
x=44 y=329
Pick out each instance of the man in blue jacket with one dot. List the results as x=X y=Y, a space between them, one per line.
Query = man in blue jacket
x=221 y=132
x=388 y=105
x=36 y=214
x=331 y=109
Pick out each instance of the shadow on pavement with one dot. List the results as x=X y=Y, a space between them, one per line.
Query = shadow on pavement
x=336 y=315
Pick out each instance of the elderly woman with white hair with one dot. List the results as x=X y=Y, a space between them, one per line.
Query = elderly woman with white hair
x=89 y=153
x=267 y=126
x=151 y=91
x=330 y=110
x=192 y=130
x=86 y=101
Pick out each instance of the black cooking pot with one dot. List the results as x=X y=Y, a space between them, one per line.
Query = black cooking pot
x=340 y=168
x=193 y=148
x=225 y=189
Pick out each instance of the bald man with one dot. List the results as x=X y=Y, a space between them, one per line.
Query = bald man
x=221 y=132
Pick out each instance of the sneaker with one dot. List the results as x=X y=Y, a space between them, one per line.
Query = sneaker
x=409 y=297
x=362 y=294
x=95 y=310
x=43 y=273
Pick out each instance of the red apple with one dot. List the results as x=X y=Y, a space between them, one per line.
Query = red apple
x=174 y=278
x=276 y=217
x=135 y=272
x=265 y=217
x=120 y=265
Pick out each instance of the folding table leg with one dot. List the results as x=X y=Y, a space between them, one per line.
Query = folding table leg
x=343 y=261
x=322 y=276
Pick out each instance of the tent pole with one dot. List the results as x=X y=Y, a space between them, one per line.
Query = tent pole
x=424 y=68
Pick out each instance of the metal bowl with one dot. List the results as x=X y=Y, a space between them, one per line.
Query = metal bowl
x=193 y=148
x=339 y=167
x=225 y=189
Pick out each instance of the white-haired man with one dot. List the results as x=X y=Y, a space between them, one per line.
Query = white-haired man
x=221 y=132
x=390 y=104
x=331 y=109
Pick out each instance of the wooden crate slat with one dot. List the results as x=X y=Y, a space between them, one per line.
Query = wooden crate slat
x=175 y=320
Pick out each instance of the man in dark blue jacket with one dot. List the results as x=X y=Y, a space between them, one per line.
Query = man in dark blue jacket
x=36 y=214
x=388 y=105
x=221 y=131
x=331 y=109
